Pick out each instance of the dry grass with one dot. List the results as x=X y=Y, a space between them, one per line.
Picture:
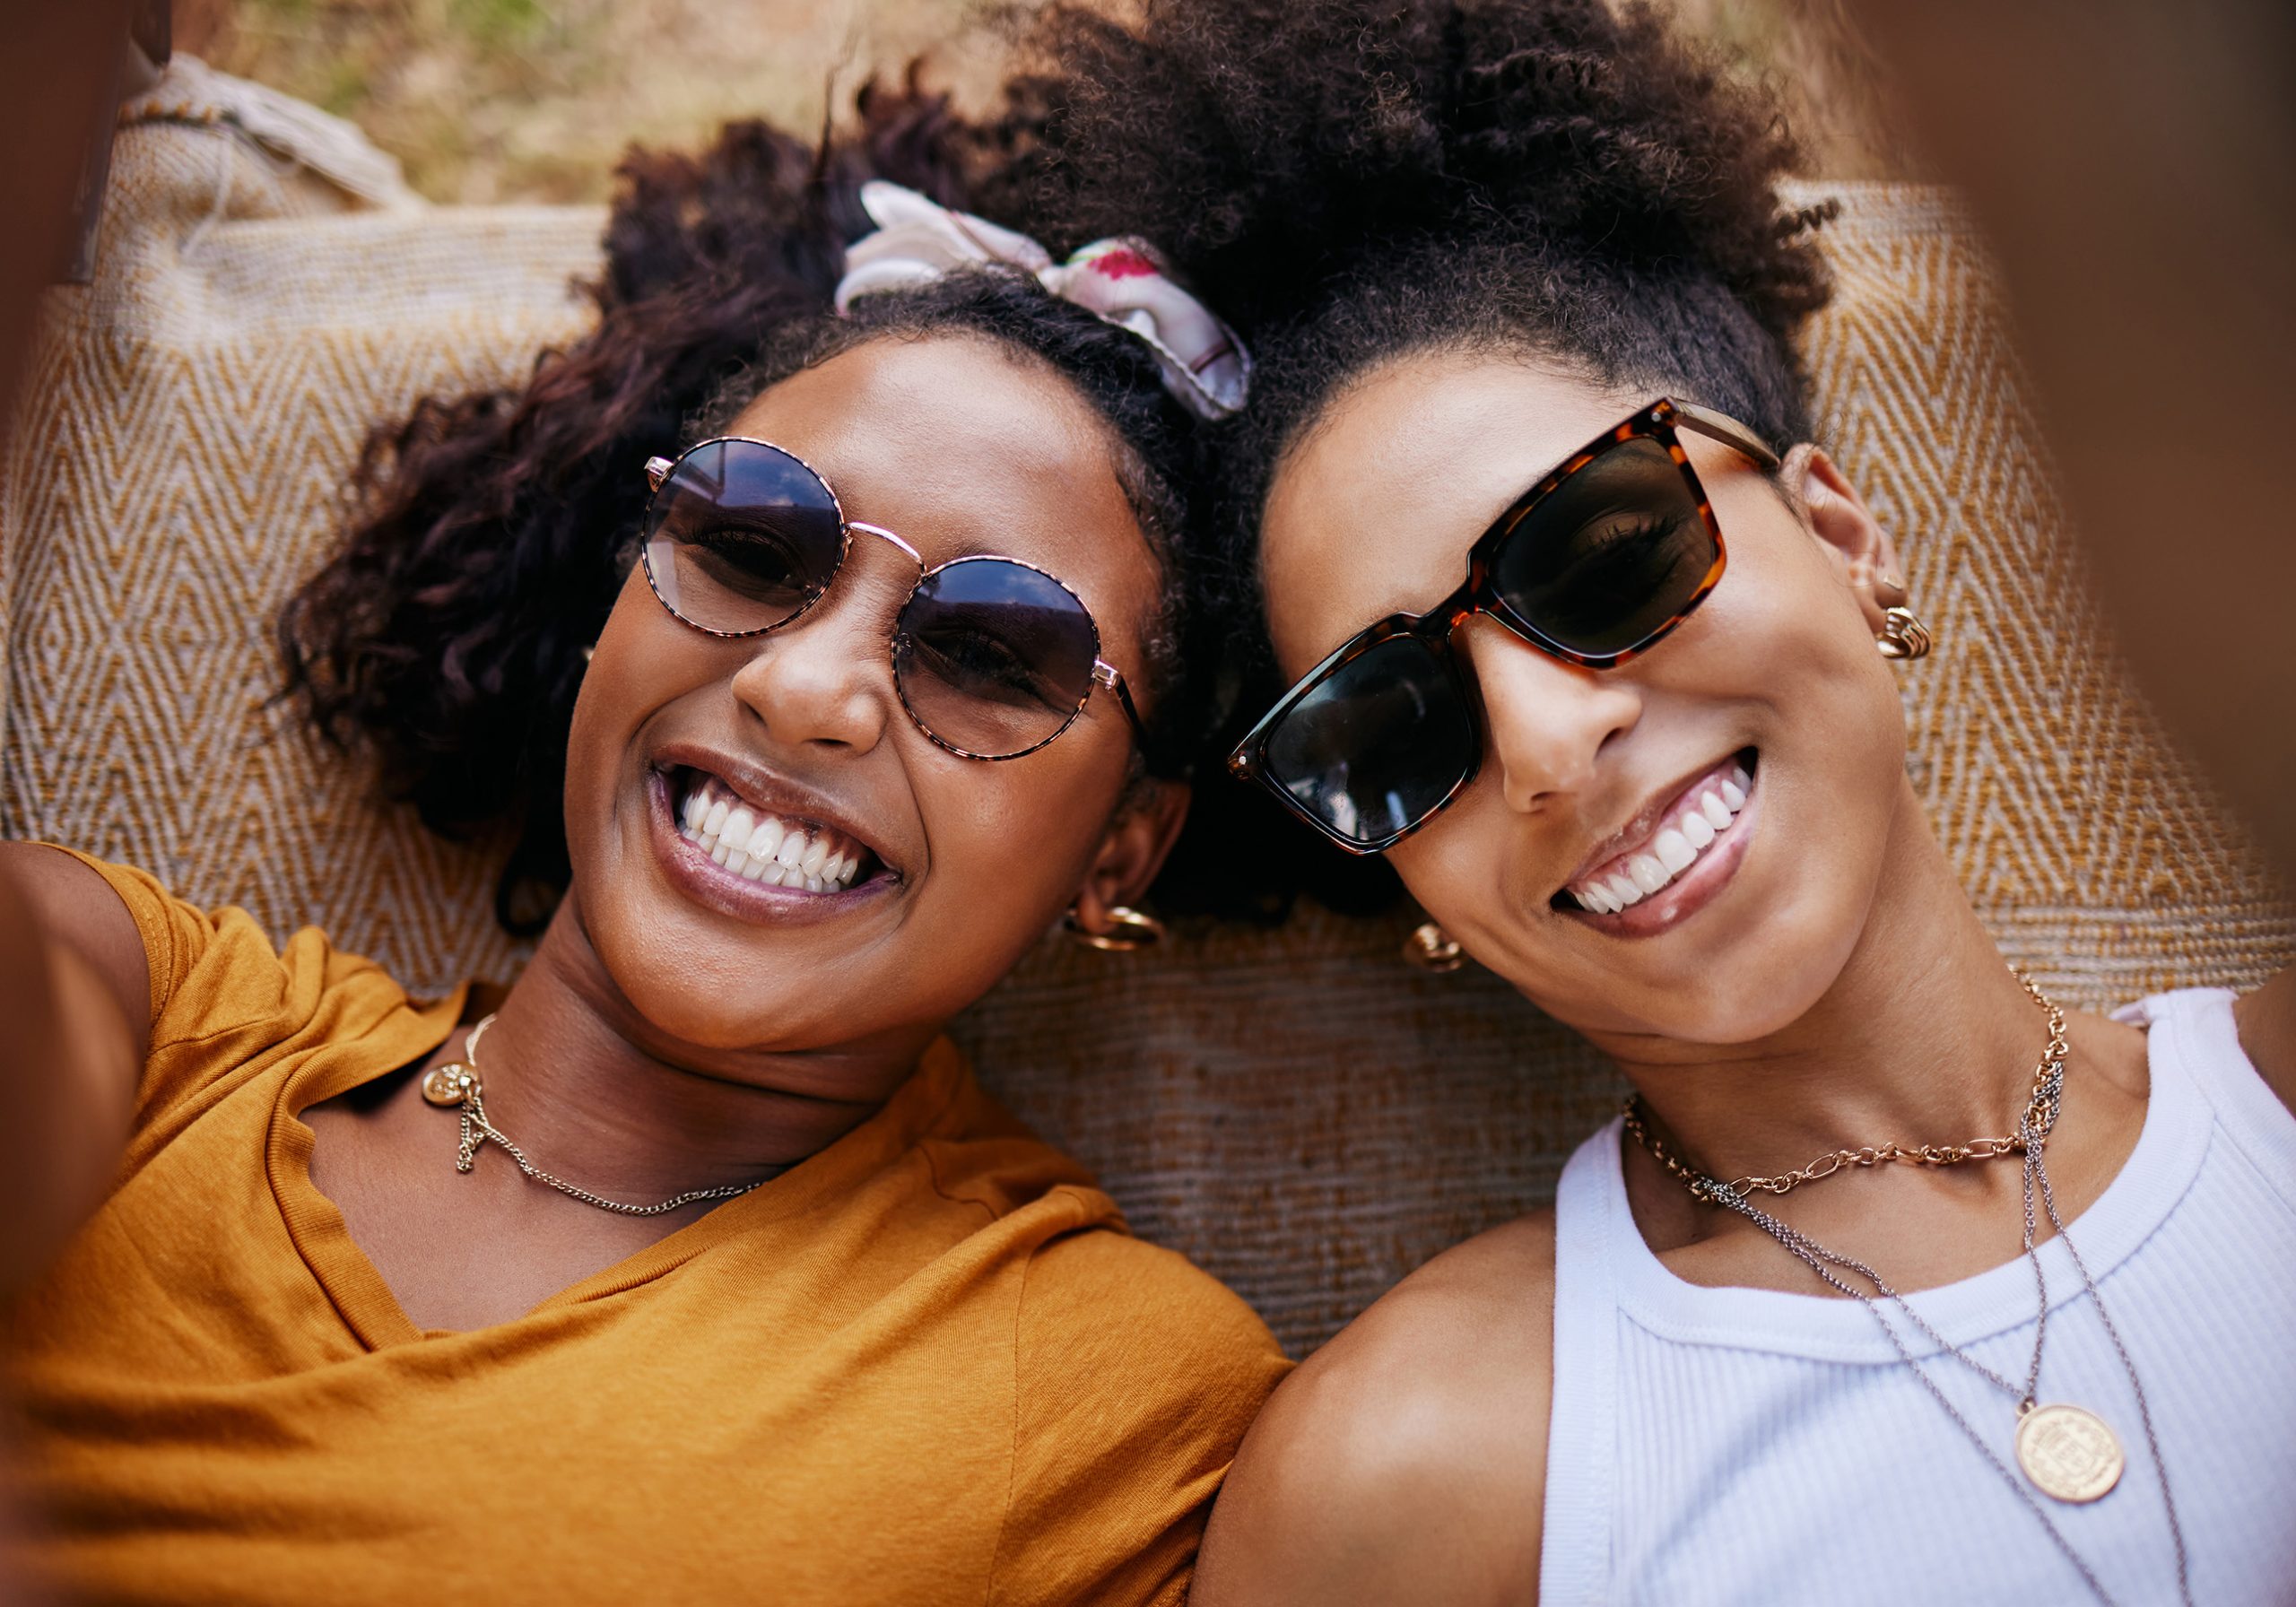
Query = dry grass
x=532 y=100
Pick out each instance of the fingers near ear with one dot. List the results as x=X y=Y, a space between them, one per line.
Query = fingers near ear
x=1133 y=851
x=1860 y=549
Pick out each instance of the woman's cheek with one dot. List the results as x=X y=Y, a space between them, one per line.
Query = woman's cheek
x=1008 y=845
x=1462 y=871
x=633 y=669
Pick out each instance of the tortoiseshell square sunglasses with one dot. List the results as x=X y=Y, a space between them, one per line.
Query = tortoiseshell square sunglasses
x=1594 y=564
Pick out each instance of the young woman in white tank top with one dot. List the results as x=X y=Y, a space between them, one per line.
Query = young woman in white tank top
x=1627 y=735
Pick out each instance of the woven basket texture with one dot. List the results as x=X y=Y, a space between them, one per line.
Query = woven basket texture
x=1297 y=1110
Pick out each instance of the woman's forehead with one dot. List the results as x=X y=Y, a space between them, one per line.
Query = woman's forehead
x=1372 y=512
x=957 y=443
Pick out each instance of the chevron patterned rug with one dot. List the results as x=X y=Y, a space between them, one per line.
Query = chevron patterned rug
x=1296 y=1110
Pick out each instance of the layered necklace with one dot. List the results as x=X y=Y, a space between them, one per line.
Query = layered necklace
x=457 y=1086
x=2066 y=1452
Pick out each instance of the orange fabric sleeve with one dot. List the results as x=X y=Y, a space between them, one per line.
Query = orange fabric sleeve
x=1137 y=1376
x=175 y=933
x=226 y=1004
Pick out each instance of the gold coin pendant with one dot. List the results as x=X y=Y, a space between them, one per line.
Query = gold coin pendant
x=2068 y=1453
x=448 y=1084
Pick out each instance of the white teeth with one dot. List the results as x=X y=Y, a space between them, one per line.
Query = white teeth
x=735 y=832
x=763 y=849
x=1672 y=851
x=766 y=838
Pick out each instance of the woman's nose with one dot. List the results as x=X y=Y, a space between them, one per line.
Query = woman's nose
x=827 y=676
x=1544 y=720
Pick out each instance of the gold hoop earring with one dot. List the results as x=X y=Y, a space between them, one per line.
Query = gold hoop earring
x=1135 y=931
x=1903 y=634
x=1430 y=948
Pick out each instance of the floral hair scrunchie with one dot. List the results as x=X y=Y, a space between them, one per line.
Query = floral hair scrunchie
x=1120 y=281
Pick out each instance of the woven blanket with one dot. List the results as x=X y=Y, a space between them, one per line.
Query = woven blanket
x=1297 y=1110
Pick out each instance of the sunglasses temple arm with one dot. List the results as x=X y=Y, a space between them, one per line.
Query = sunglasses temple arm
x=1716 y=426
x=1107 y=674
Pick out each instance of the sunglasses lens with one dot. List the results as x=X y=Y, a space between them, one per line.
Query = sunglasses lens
x=1376 y=746
x=1612 y=556
x=994 y=658
x=741 y=537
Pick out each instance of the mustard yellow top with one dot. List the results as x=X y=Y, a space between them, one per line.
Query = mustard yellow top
x=928 y=1365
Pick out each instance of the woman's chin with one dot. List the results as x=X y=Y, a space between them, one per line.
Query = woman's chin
x=1755 y=977
x=1718 y=1017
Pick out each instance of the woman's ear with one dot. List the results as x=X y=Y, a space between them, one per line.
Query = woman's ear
x=1138 y=840
x=1846 y=529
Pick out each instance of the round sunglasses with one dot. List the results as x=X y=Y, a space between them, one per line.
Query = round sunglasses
x=1594 y=564
x=992 y=657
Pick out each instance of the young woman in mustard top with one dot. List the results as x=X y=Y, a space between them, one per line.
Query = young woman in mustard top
x=812 y=628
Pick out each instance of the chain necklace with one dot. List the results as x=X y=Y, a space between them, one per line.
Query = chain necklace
x=2066 y=1452
x=457 y=1084
x=2040 y=1115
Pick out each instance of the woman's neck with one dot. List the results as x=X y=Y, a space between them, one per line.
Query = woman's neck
x=1924 y=1037
x=576 y=1075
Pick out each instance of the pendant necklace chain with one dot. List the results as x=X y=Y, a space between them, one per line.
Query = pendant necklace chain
x=2066 y=1452
x=456 y=1085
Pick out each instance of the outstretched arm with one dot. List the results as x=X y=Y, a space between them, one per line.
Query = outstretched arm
x=75 y=1018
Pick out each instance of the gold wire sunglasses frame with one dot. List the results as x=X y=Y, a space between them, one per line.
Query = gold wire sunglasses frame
x=1104 y=674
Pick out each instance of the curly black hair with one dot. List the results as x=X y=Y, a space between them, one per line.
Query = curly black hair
x=491 y=533
x=1348 y=180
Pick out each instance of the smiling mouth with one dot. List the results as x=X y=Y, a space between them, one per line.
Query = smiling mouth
x=1689 y=829
x=772 y=850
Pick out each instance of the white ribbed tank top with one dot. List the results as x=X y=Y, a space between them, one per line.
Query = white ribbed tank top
x=1716 y=1446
